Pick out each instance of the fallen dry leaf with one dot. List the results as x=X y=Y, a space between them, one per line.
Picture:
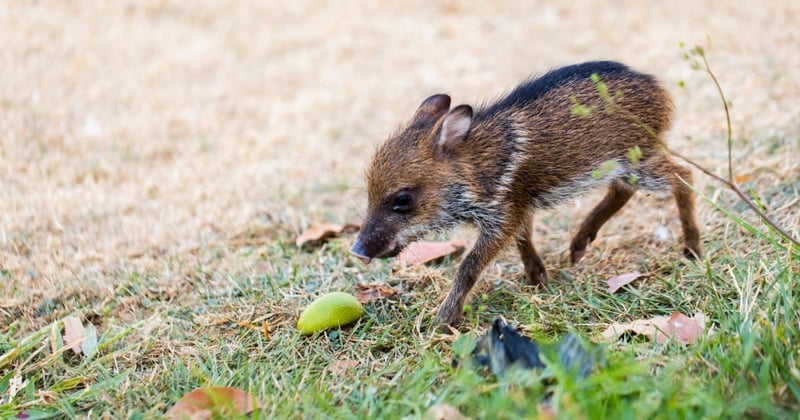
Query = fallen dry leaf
x=373 y=292
x=678 y=326
x=205 y=403
x=429 y=252
x=639 y=326
x=443 y=412
x=73 y=333
x=684 y=329
x=338 y=367
x=320 y=232
x=546 y=411
x=264 y=328
x=614 y=283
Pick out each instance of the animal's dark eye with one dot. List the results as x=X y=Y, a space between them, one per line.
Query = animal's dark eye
x=402 y=202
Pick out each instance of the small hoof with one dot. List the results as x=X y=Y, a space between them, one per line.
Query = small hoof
x=445 y=329
x=691 y=254
x=577 y=249
x=576 y=255
x=447 y=324
x=537 y=279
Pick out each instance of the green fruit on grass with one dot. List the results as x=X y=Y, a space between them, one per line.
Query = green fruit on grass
x=330 y=311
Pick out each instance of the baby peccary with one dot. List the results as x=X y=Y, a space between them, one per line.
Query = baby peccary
x=531 y=149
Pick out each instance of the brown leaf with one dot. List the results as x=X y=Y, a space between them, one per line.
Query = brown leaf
x=430 y=252
x=203 y=403
x=73 y=333
x=684 y=329
x=546 y=411
x=678 y=326
x=321 y=232
x=264 y=328
x=639 y=326
x=373 y=292
x=443 y=412
x=614 y=283
x=741 y=179
x=339 y=366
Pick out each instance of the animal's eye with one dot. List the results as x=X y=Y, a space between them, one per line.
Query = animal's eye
x=402 y=202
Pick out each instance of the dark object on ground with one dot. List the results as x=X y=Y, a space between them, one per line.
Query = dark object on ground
x=503 y=346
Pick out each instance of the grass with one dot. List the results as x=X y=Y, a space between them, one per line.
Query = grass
x=391 y=364
x=149 y=184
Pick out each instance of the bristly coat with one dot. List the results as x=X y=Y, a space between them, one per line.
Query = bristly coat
x=491 y=167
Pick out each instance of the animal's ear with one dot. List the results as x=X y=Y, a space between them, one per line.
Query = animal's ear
x=433 y=108
x=455 y=128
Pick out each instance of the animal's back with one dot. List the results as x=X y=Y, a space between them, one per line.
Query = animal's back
x=554 y=152
x=558 y=91
x=535 y=88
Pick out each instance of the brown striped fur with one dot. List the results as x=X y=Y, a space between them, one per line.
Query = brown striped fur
x=493 y=166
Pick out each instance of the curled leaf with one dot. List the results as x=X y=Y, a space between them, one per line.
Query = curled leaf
x=661 y=328
x=264 y=328
x=206 y=403
x=682 y=328
x=318 y=233
x=430 y=252
x=546 y=411
x=373 y=292
x=73 y=333
x=337 y=367
x=443 y=412
x=614 y=283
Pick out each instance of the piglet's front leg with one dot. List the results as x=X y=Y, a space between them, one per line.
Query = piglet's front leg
x=485 y=250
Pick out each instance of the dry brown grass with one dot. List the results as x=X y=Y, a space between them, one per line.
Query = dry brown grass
x=157 y=157
x=135 y=134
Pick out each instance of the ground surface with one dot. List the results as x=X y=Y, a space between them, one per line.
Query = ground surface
x=157 y=159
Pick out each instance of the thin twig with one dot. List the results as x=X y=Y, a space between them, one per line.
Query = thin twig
x=766 y=219
x=731 y=181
